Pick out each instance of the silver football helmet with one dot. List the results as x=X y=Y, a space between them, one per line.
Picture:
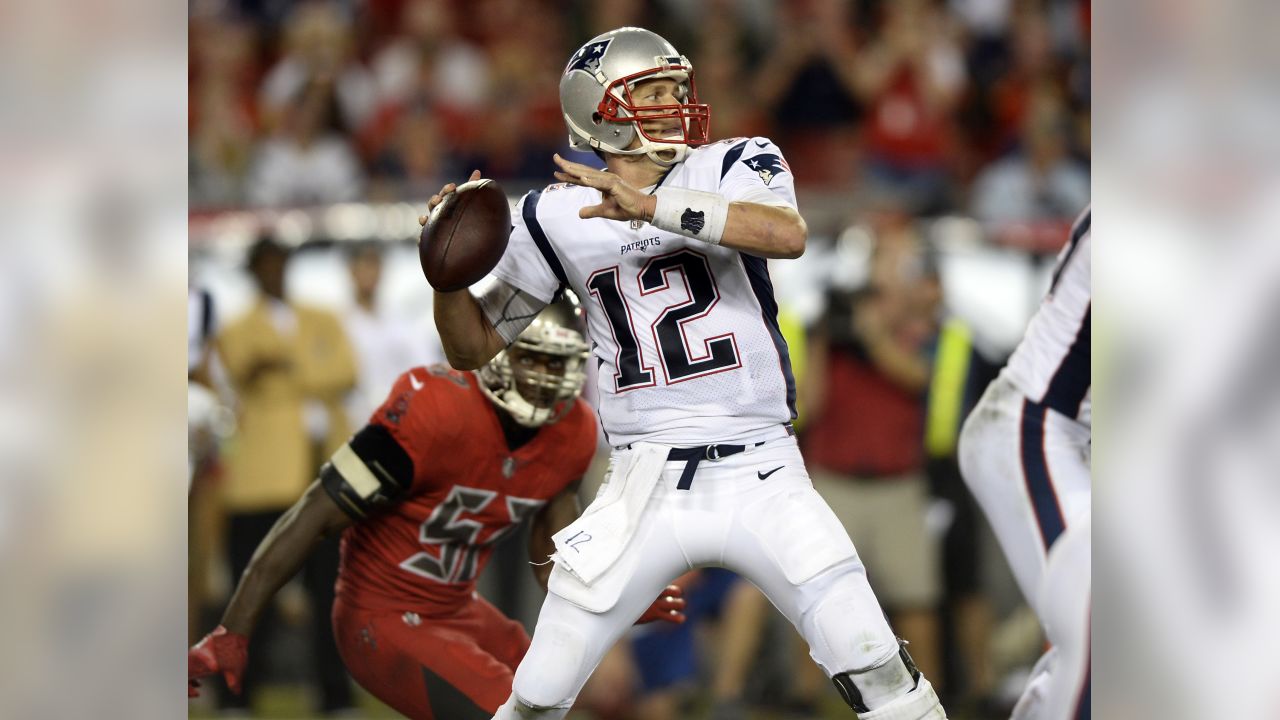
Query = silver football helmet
x=540 y=375
x=595 y=96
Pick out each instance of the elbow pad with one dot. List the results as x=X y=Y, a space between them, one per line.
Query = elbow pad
x=370 y=472
x=508 y=308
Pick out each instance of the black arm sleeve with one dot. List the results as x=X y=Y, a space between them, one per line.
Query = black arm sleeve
x=369 y=473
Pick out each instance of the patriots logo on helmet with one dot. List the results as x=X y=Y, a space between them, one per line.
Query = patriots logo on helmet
x=767 y=166
x=588 y=57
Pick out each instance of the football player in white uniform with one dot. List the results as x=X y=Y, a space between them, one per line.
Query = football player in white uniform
x=1025 y=453
x=669 y=244
x=1063 y=691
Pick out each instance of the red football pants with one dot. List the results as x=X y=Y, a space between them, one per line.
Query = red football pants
x=456 y=667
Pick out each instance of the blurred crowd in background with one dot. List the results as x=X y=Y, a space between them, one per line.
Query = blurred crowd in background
x=979 y=106
x=940 y=150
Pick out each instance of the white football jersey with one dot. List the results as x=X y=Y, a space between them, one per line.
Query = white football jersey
x=1052 y=363
x=685 y=334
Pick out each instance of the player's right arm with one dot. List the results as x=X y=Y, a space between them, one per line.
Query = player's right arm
x=369 y=473
x=469 y=339
x=284 y=549
x=291 y=540
x=474 y=329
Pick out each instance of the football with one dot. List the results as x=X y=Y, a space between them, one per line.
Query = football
x=465 y=235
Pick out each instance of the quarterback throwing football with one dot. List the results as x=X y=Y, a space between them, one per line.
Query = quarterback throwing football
x=667 y=246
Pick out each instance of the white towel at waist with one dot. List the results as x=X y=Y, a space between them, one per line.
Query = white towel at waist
x=590 y=545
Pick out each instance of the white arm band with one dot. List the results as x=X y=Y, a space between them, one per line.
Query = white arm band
x=692 y=213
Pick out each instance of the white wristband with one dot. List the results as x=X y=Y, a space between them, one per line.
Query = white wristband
x=692 y=213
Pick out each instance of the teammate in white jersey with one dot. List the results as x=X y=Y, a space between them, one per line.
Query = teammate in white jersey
x=670 y=243
x=1025 y=451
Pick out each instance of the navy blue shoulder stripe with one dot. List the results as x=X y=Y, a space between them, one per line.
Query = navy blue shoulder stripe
x=731 y=157
x=1077 y=233
x=530 y=214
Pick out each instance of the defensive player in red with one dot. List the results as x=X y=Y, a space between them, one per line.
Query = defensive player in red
x=449 y=464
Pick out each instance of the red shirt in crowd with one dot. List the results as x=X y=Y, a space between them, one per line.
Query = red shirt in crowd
x=868 y=426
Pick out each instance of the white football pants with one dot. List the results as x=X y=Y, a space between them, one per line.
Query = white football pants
x=755 y=513
x=1028 y=468
x=1060 y=687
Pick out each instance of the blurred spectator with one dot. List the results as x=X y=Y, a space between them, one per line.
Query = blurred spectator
x=428 y=58
x=911 y=78
x=433 y=79
x=202 y=410
x=413 y=165
x=720 y=72
x=309 y=161
x=202 y=403
x=959 y=375
x=290 y=367
x=982 y=18
x=602 y=17
x=385 y=345
x=503 y=153
x=807 y=85
x=318 y=42
x=222 y=108
x=869 y=370
x=527 y=72
x=1038 y=181
x=1030 y=63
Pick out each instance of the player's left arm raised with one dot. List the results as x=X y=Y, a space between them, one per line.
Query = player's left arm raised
x=769 y=231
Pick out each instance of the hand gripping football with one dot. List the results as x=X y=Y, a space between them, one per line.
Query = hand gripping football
x=465 y=235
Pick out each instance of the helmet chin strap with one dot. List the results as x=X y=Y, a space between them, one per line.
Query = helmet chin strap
x=677 y=152
x=653 y=150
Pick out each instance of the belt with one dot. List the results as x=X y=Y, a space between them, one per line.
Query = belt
x=691 y=456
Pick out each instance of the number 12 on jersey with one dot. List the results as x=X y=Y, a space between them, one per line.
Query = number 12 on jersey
x=676 y=357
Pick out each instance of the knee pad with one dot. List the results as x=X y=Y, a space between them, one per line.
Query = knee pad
x=846 y=628
x=893 y=690
x=852 y=641
x=551 y=673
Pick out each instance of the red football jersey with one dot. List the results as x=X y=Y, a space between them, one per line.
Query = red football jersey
x=469 y=490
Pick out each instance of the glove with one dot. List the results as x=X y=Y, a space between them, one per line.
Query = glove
x=220 y=651
x=669 y=607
